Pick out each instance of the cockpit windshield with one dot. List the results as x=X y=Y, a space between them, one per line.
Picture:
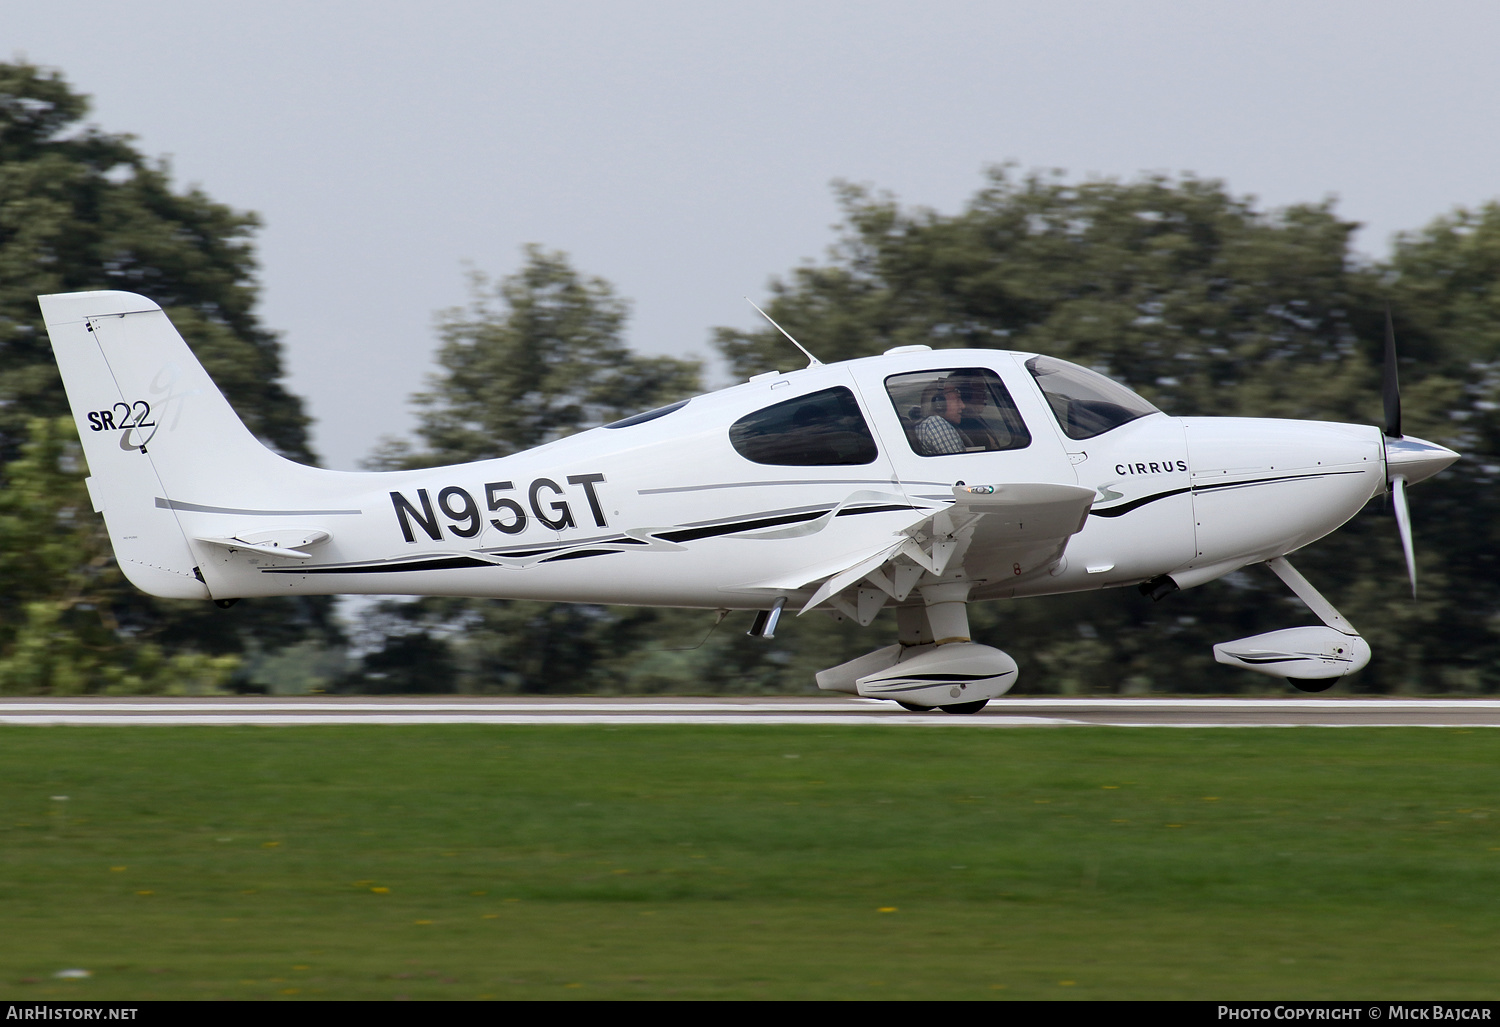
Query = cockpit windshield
x=1085 y=402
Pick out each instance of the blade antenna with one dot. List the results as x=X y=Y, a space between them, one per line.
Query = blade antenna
x=812 y=361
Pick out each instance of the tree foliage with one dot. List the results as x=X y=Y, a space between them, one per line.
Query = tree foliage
x=83 y=209
x=536 y=356
x=60 y=633
x=1193 y=296
x=1197 y=298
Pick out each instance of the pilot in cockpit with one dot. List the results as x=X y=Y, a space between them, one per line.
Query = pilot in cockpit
x=955 y=421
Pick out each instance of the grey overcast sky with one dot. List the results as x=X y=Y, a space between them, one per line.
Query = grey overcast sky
x=684 y=151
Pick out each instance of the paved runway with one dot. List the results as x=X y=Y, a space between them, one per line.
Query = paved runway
x=814 y=710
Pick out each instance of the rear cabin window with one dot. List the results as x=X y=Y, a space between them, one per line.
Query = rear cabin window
x=1085 y=402
x=957 y=410
x=823 y=429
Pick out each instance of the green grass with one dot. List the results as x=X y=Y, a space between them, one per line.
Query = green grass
x=777 y=862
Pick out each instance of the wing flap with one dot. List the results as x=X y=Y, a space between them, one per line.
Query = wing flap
x=1022 y=525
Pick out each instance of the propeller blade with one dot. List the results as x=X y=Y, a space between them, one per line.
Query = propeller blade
x=1403 y=524
x=1390 y=388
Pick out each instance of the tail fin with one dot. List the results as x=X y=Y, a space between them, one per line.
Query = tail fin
x=156 y=431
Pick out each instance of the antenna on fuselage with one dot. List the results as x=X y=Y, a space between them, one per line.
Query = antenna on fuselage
x=812 y=361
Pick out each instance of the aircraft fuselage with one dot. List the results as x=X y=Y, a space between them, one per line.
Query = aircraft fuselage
x=667 y=512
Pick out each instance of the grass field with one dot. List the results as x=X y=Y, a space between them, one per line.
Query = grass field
x=734 y=862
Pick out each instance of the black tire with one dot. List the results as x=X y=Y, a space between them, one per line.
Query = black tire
x=966 y=707
x=913 y=707
x=1312 y=684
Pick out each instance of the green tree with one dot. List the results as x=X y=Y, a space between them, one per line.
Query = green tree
x=59 y=633
x=1206 y=305
x=536 y=356
x=83 y=209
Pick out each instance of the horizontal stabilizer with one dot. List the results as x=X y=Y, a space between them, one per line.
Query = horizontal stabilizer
x=287 y=542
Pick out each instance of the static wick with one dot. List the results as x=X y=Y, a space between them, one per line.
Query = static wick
x=812 y=361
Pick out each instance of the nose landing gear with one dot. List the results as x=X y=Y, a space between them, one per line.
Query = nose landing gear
x=1311 y=658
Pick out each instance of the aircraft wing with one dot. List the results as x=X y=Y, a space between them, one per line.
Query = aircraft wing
x=1012 y=532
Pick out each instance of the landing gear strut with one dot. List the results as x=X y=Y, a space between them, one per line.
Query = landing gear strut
x=935 y=666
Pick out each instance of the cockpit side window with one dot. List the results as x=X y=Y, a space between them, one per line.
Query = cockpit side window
x=956 y=410
x=1085 y=402
x=822 y=429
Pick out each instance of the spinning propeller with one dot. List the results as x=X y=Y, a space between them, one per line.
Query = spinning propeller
x=1407 y=459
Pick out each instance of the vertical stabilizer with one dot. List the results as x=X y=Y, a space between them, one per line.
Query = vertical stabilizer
x=154 y=428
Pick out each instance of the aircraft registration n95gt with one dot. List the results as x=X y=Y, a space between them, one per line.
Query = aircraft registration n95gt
x=921 y=479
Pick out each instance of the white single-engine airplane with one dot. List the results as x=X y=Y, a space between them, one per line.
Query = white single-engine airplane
x=921 y=479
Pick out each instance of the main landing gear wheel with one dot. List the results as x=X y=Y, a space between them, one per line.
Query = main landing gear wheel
x=966 y=707
x=1312 y=684
x=912 y=707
